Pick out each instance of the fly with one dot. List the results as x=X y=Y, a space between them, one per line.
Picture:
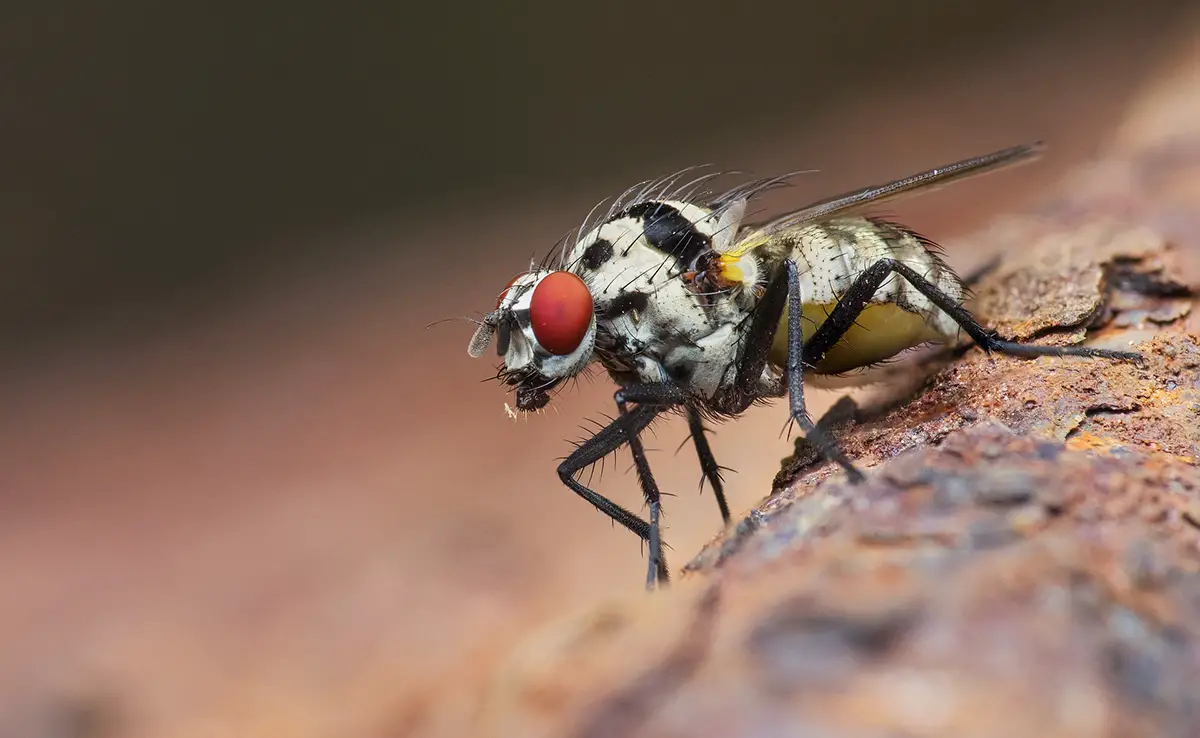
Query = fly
x=689 y=309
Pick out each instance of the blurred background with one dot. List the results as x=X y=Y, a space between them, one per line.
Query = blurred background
x=243 y=488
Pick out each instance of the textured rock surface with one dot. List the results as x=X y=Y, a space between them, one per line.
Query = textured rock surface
x=997 y=585
x=1024 y=558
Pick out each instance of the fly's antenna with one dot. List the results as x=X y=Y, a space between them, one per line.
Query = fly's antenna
x=480 y=340
x=467 y=318
x=482 y=337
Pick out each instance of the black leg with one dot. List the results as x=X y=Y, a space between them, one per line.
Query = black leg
x=708 y=462
x=864 y=287
x=795 y=370
x=784 y=289
x=607 y=440
x=658 y=396
x=843 y=412
x=761 y=334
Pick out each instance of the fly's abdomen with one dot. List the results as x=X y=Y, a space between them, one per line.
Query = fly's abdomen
x=831 y=256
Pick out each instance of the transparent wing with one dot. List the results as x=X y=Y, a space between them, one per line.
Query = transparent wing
x=851 y=202
x=729 y=207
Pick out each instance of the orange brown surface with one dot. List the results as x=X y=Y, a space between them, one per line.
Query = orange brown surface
x=289 y=517
x=1024 y=558
x=997 y=585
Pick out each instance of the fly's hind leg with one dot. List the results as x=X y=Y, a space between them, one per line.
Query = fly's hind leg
x=864 y=287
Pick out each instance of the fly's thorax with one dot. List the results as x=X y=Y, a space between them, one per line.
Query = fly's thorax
x=650 y=323
x=700 y=361
x=673 y=228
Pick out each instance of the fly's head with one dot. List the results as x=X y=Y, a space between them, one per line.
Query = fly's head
x=545 y=330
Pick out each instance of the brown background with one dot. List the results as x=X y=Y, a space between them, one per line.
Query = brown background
x=242 y=484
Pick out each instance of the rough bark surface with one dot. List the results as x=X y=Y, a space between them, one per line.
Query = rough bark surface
x=1024 y=558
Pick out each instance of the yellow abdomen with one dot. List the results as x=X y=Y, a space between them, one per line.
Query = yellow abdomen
x=880 y=332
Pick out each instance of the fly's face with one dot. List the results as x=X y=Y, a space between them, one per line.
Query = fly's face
x=545 y=329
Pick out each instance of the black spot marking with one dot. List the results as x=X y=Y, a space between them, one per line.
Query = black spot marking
x=597 y=254
x=667 y=230
x=681 y=373
x=626 y=302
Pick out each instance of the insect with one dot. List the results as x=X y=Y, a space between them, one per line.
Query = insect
x=688 y=309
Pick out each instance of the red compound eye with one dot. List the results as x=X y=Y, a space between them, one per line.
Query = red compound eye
x=560 y=312
x=507 y=287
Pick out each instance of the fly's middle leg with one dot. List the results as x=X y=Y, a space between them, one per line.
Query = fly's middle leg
x=784 y=290
x=708 y=462
x=795 y=374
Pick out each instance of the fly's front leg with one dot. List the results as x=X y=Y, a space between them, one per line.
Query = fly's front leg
x=608 y=439
x=657 y=397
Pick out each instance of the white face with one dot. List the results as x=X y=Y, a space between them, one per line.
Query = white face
x=547 y=329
